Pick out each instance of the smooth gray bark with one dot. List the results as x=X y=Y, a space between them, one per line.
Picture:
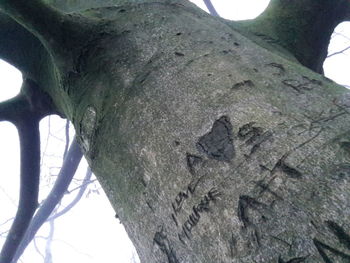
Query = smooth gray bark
x=212 y=144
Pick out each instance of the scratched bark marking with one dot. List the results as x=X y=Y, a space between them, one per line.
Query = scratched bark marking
x=87 y=127
x=161 y=239
x=251 y=229
x=288 y=170
x=293 y=260
x=279 y=68
x=218 y=143
x=343 y=239
x=183 y=195
x=301 y=85
x=193 y=162
x=245 y=83
x=339 y=232
x=322 y=247
x=244 y=203
x=194 y=218
x=254 y=136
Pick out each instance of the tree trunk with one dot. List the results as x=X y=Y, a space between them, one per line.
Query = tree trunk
x=211 y=146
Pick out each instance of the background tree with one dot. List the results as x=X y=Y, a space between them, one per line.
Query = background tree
x=207 y=135
x=55 y=137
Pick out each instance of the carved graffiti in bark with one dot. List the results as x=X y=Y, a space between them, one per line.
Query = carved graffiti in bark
x=245 y=203
x=293 y=260
x=254 y=136
x=218 y=143
x=192 y=162
x=279 y=69
x=183 y=195
x=322 y=247
x=344 y=240
x=245 y=83
x=301 y=85
x=197 y=210
x=251 y=229
x=162 y=241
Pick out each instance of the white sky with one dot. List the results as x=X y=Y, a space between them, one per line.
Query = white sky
x=236 y=9
x=90 y=233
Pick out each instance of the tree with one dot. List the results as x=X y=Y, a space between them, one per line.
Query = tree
x=216 y=141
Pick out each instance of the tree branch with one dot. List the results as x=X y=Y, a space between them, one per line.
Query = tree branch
x=48 y=254
x=22 y=49
x=25 y=111
x=31 y=103
x=63 y=180
x=338 y=52
x=37 y=17
x=63 y=35
x=12 y=108
x=29 y=136
x=66 y=146
x=302 y=27
x=211 y=7
x=77 y=198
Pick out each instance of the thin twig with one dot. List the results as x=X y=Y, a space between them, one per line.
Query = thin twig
x=63 y=180
x=67 y=139
x=8 y=220
x=82 y=189
x=338 y=52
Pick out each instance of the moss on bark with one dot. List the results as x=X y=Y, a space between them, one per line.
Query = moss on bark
x=163 y=84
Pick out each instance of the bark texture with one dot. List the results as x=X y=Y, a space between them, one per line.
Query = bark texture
x=212 y=146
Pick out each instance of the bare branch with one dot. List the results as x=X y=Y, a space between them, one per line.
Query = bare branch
x=338 y=52
x=305 y=41
x=6 y=221
x=211 y=7
x=37 y=249
x=67 y=139
x=48 y=254
x=31 y=103
x=63 y=180
x=10 y=109
x=30 y=170
x=84 y=183
x=82 y=189
x=335 y=34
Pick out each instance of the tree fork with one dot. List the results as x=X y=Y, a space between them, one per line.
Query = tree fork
x=63 y=35
x=25 y=111
x=301 y=27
